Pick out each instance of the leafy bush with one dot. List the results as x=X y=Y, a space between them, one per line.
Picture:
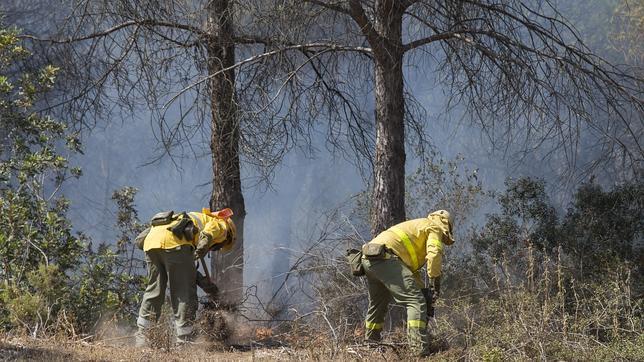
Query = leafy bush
x=33 y=308
x=599 y=230
x=36 y=242
x=540 y=288
x=107 y=282
x=46 y=272
x=604 y=227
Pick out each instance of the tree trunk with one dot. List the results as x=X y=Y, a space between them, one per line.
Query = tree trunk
x=227 y=268
x=388 y=194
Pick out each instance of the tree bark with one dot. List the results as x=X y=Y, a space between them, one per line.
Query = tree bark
x=388 y=194
x=227 y=268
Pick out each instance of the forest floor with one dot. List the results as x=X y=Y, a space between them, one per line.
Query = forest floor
x=58 y=349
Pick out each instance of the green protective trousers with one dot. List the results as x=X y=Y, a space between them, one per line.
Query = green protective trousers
x=390 y=278
x=176 y=268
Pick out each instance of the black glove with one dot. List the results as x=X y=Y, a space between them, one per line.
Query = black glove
x=427 y=293
x=436 y=287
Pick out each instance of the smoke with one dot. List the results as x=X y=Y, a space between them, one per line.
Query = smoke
x=111 y=331
x=279 y=217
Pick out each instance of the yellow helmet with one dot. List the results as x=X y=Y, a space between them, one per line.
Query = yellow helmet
x=444 y=214
x=447 y=218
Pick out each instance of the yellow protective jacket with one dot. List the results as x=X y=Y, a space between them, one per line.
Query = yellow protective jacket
x=215 y=229
x=417 y=240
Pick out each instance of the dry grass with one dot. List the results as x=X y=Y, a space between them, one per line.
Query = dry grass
x=22 y=348
x=552 y=317
x=533 y=308
x=53 y=349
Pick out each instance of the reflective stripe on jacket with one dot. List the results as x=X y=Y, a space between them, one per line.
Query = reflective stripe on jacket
x=162 y=238
x=416 y=241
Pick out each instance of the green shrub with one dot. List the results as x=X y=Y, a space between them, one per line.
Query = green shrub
x=542 y=285
x=105 y=289
x=33 y=306
x=46 y=271
x=37 y=246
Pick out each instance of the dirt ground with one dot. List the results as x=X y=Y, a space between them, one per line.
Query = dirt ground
x=25 y=348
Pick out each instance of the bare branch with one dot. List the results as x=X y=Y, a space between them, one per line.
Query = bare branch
x=331 y=6
x=324 y=48
x=116 y=28
x=437 y=37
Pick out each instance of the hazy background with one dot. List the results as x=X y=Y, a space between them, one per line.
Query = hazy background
x=281 y=215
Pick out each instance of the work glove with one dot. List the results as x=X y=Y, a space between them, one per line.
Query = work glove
x=427 y=293
x=202 y=246
x=207 y=285
x=436 y=287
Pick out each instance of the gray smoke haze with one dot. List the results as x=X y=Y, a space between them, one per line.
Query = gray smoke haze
x=279 y=217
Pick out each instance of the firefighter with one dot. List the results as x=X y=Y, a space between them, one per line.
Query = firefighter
x=171 y=245
x=391 y=263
